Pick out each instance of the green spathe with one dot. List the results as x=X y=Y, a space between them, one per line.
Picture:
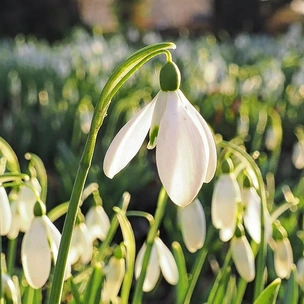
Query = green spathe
x=169 y=77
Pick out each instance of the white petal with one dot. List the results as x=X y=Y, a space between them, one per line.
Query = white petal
x=166 y=262
x=298 y=155
x=15 y=225
x=153 y=269
x=5 y=212
x=193 y=225
x=128 y=141
x=300 y=273
x=181 y=154
x=35 y=254
x=86 y=244
x=97 y=222
x=224 y=205
x=206 y=133
x=283 y=258
x=115 y=272
x=243 y=258
x=252 y=216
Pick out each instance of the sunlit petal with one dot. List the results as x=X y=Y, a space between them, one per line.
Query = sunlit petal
x=243 y=258
x=252 y=216
x=128 y=141
x=181 y=155
x=97 y=222
x=207 y=135
x=166 y=262
x=153 y=269
x=5 y=212
x=193 y=225
x=283 y=258
x=35 y=254
x=300 y=273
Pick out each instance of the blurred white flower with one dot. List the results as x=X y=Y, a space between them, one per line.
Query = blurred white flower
x=185 y=149
x=193 y=225
x=97 y=222
x=224 y=206
x=5 y=212
x=161 y=259
x=283 y=257
x=40 y=243
x=243 y=257
x=81 y=245
x=114 y=274
x=300 y=273
x=272 y=139
x=298 y=154
x=252 y=215
x=26 y=202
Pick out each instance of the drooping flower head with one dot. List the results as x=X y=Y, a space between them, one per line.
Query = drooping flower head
x=185 y=148
x=5 y=212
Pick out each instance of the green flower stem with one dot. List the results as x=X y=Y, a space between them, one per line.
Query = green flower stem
x=143 y=214
x=196 y=270
x=159 y=214
x=129 y=242
x=118 y=78
x=11 y=255
x=259 y=281
x=219 y=277
x=183 y=283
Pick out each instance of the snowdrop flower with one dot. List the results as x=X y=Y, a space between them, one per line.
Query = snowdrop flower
x=98 y=222
x=185 y=148
x=5 y=212
x=193 y=225
x=26 y=202
x=10 y=292
x=114 y=274
x=161 y=259
x=224 y=205
x=300 y=273
x=81 y=245
x=283 y=258
x=298 y=155
x=252 y=215
x=39 y=245
x=272 y=139
x=242 y=256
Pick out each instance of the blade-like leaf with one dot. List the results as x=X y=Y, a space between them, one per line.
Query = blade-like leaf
x=270 y=293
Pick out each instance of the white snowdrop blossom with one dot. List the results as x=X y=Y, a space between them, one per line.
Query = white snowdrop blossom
x=193 y=225
x=300 y=273
x=252 y=215
x=185 y=149
x=114 y=274
x=5 y=212
x=243 y=257
x=40 y=243
x=283 y=258
x=298 y=155
x=161 y=259
x=81 y=245
x=224 y=206
x=9 y=289
x=26 y=202
x=97 y=222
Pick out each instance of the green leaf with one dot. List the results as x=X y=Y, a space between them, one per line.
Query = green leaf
x=93 y=290
x=9 y=154
x=270 y=293
x=291 y=291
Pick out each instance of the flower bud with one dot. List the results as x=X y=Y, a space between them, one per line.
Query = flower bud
x=283 y=258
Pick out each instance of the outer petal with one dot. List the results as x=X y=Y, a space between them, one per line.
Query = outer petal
x=252 y=216
x=128 y=141
x=97 y=222
x=207 y=135
x=5 y=212
x=193 y=225
x=36 y=254
x=225 y=198
x=283 y=258
x=300 y=273
x=166 y=262
x=243 y=258
x=15 y=225
x=298 y=155
x=181 y=154
x=153 y=270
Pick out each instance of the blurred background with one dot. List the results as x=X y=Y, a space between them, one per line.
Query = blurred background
x=242 y=66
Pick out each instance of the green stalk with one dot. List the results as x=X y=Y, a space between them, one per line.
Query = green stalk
x=259 y=281
x=11 y=255
x=118 y=78
x=159 y=214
